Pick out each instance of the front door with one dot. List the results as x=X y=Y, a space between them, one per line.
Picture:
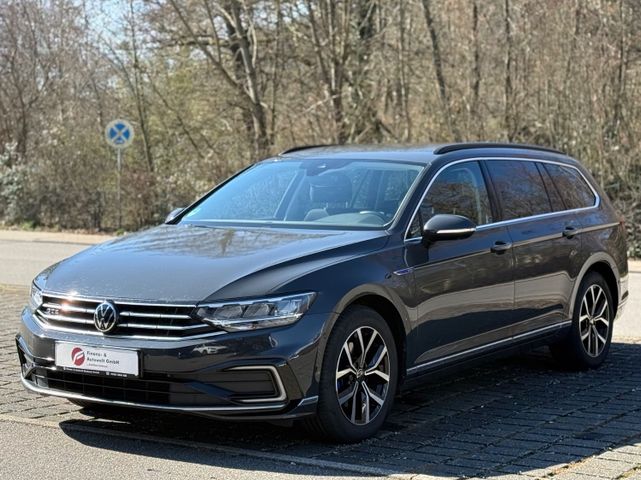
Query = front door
x=464 y=289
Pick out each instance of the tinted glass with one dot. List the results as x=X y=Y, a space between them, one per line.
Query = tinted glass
x=550 y=187
x=459 y=190
x=340 y=193
x=521 y=188
x=571 y=185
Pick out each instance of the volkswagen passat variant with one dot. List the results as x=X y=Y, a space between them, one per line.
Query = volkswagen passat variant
x=316 y=284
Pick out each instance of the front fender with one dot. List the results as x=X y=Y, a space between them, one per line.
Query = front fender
x=345 y=282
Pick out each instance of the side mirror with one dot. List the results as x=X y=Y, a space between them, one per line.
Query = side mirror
x=447 y=227
x=174 y=213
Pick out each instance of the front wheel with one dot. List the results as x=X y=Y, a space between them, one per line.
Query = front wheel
x=588 y=342
x=358 y=377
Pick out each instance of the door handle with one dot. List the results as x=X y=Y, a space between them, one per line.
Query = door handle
x=500 y=247
x=570 y=232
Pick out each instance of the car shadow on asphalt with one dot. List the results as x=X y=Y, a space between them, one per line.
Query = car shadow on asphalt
x=515 y=415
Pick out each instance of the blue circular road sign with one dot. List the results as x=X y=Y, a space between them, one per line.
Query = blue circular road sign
x=119 y=134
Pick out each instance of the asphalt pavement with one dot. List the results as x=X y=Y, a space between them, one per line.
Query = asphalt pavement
x=81 y=453
x=24 y=254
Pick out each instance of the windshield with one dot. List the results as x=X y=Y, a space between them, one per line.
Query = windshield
x=311 y=192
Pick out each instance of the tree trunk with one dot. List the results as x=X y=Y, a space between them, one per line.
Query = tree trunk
x=476 y=71
x=438 y=71
x=508 y=113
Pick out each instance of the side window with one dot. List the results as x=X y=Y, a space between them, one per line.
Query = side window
x=553 y=193
x=521 y=188
x=460 y=190
x=572 y=186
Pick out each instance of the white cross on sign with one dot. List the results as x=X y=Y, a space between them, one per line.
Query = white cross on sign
x=119 y=134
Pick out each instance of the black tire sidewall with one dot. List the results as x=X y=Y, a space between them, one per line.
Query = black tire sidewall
x=335 y=424
x=582 y=357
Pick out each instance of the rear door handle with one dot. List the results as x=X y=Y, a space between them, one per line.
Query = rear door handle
x=570 y=232
x=500 y=247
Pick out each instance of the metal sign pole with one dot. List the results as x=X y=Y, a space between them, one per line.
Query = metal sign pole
x=119 y=160
x=119 y=135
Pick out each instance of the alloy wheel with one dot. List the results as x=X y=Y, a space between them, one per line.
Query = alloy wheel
x=594 y=320
x=363 y=375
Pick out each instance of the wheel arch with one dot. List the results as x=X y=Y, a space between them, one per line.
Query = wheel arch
x=604 y=265
x=388 y=306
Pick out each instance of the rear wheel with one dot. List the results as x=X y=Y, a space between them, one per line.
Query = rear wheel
x=588 y=342
x=358 y=377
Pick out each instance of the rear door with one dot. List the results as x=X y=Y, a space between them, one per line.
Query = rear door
x=545 y=243
x=464 y=288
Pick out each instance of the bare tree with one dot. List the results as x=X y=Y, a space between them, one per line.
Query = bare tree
x=243 y=46
x=508 y=97
x=437 y=62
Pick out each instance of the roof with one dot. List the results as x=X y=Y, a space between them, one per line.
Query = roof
x=412 y=153
x=424 y=154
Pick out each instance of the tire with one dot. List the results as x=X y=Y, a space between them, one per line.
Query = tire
x=366 y=393
x=588 y=341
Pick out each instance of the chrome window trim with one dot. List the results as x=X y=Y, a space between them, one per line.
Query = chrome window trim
x=597 y=198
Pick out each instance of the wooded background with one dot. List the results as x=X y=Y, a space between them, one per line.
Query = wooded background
x=212 y=86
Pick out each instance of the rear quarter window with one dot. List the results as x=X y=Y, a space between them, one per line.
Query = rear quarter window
x=573 y=188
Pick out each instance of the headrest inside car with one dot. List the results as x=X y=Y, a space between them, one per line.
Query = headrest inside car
x=330 y=187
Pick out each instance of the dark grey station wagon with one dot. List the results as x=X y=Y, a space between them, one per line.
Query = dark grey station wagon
x=316 y=284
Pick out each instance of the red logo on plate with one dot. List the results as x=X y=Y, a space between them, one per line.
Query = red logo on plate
x=77 y=356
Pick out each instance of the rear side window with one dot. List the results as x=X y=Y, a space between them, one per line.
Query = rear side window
x=574 y=190
x=521 y=188
x=553 y=193
x=459 y=190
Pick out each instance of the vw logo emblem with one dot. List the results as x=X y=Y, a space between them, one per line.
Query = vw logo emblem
x=105 y=318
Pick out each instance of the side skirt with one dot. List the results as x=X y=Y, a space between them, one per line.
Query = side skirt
x=502 y=348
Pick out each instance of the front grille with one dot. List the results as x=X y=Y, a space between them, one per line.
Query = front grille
x=158 y=321
x=122 y=389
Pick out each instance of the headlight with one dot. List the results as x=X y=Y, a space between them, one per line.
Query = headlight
x=254 y=314
x=35 y=299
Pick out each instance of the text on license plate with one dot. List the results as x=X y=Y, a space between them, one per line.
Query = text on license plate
x=97 y=360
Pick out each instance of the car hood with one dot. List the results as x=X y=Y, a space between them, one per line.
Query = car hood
x=182 y=263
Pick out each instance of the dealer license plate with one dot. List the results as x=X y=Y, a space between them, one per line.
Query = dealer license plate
x=97 y=360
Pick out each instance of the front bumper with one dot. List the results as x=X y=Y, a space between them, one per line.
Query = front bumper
x=270 y=374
